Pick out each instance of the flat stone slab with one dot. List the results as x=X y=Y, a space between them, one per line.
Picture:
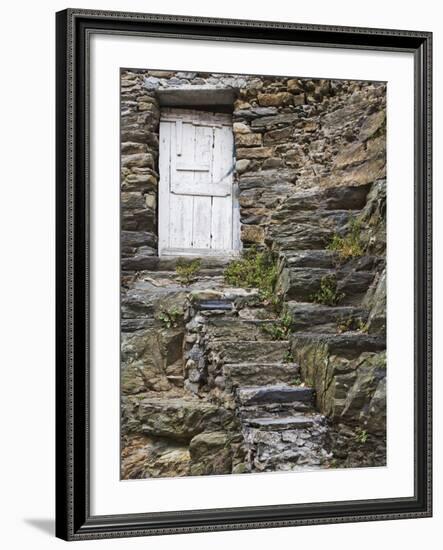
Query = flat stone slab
x=274 y=394
x=351 y=197
x=282 y=423
x=169 y=263
x=347 y=345
x=326 y=259
x=302 y=283
x=320 y=318
x=236 y=328
x=242 y=351
x=260 y=373
x=174 y=418
x=211 y=305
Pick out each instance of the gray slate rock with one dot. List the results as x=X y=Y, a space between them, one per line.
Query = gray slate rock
x=260 y=374
x=320 y=318
x=246 y=351
x=274 y=394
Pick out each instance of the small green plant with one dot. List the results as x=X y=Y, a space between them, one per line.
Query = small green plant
x=297 y=381
x=327 y=293
x=361 y=436
x=257 y=269
x=351 y=245
x=345 y=325
x=186 y=272
x=350 y=323
x=288 y=357
x=362 y=326
x=281 y=328
x=170 y=317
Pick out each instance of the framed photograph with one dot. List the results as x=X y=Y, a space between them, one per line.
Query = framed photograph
x=243 y=274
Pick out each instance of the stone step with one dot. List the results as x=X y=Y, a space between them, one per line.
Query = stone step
x=224 y=298
x=174 y=417
x=308 y=316
x=349 y=197
x=277 y=423
x=326 y=259
x=303 y=283
x=150 y=285
x=227 y=328
x=256 y=313
x=257 y=395
x=243 y=351
x=291 y=458
x=335 y=219
x=169 y=263
x=215 y=305
x=172 y=276
x=307 y=230
x=275 y=409
x=286 y=442
x=260 y=374
x=347 y=345
x=301 y=236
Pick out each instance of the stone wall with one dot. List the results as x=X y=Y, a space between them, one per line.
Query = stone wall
x=290 y=134
x=310 y=160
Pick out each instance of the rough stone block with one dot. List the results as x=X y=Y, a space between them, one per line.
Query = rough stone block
x=210 y=454
x=138 y=159
x=248 y=140
x=295 y=85
x=278 y=99
x=254 y=152
x=179 y=419
x=241 y=128
x=242 y=165
x=278 y=136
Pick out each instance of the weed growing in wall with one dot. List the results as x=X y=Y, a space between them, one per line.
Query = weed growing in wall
x=351 y=245
x=345 y=325
x=187 y=272
x=328 y=293
x=257 y=269
x=170 y=317
x=280 y=329
x=361 y=436
x=352 y=324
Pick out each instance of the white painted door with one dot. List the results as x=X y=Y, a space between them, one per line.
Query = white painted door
x=198 y=213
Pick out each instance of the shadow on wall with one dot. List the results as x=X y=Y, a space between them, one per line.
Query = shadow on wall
x=44 y=525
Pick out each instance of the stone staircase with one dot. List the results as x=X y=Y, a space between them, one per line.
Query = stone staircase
x=217 y=391
x=336 y=346
x=280 y=427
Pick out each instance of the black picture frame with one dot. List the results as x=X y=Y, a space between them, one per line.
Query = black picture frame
x=73 y=518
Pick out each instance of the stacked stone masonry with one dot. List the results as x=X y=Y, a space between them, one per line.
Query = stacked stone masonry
x=205 y=388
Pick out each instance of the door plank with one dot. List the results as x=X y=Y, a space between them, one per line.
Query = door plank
x=178 y=129
x=221 y=228
x=201 y=230
x=164 y=222
x=181 y=206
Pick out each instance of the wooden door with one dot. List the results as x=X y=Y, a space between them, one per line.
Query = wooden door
x=198 y=213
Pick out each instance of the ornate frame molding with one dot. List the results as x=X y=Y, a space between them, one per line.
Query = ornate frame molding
x=74 y=28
